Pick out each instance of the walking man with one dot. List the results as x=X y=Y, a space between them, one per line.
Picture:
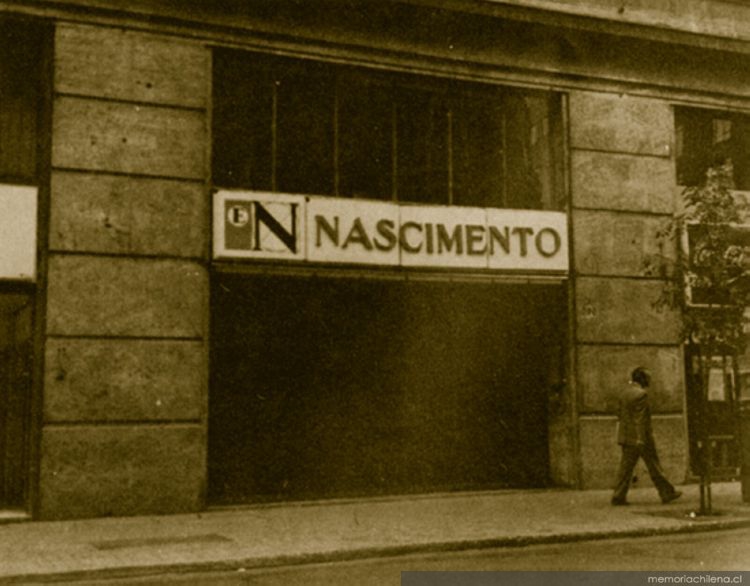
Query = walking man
x=635 y=436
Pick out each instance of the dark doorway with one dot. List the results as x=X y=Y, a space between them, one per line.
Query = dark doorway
x=328 y=387
x=712 y=413
x=16 y=354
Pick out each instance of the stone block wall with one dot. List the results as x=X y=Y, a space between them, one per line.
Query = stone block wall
x=126 y=369
x=125 y=386
x=622 y=190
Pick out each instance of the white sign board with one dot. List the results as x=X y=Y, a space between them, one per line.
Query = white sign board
x=18 y=205
x=360 y=232
x=264 y=226
x=443 y=236
x=341 y=230
x=536 y=240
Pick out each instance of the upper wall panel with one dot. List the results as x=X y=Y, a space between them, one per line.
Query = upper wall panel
x=622 y=182
x=720 y=18
x=624 y=124
x=489 y=39
x=624 y=311
x=126 y=65
x=121 y=214
x=615 y=244
x=127 y=138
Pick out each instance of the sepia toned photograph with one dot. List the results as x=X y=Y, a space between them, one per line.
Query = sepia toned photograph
x=375 y=292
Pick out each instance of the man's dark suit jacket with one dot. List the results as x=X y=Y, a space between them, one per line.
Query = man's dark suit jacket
x=634 y=426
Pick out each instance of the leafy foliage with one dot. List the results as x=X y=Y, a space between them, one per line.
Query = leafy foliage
x=708 y=280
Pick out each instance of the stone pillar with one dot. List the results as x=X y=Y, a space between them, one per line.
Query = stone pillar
x=623 y=190
x=125 y=388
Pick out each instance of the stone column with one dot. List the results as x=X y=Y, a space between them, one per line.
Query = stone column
x=125 y=388
x=623 y=190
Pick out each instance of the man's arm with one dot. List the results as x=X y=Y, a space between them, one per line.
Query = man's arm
x=640 y=415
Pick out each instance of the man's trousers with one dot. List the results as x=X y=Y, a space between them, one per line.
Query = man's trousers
x=630 y=455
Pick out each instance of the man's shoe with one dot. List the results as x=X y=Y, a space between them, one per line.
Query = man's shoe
x=619 y=502
x=672 y=497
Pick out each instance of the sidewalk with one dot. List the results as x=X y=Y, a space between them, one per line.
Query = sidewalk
x=311 y=532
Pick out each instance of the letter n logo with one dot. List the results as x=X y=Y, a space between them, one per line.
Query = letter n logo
x=266 y=226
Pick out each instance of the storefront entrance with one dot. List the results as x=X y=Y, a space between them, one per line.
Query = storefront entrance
x=333 y=387
x=712 y=407
x=16 y=354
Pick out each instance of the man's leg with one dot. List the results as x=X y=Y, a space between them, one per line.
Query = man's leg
x=624 y=474
x=667 y=492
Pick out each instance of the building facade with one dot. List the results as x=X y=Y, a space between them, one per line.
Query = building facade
x=274 y=252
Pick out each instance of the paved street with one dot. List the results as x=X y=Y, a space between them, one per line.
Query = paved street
x=715 y=550
x=306 y=537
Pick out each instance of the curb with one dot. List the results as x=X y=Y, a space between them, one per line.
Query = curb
x=245 y=564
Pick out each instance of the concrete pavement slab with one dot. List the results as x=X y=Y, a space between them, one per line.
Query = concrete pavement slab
x=281 y=534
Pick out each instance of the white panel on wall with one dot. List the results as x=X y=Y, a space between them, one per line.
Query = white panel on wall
x=444 y=236
x=534 y=240
x=259 y=225
x=18 y=222
x=255 y=225
x=352 y=231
